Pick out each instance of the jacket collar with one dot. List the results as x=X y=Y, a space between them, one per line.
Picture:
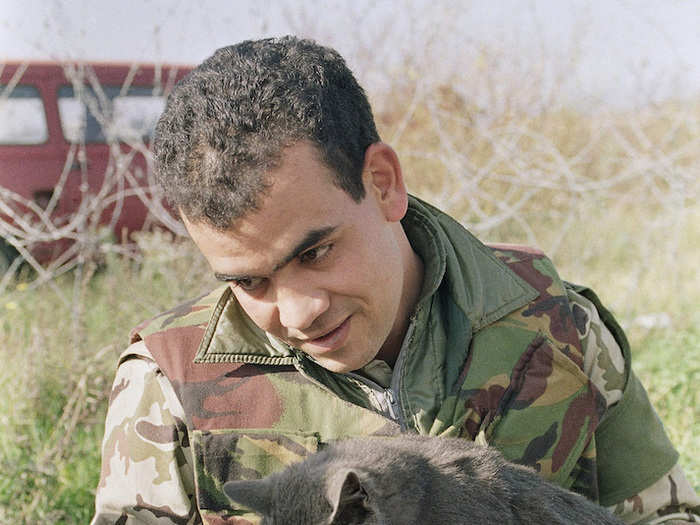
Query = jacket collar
x=231 y=336
x=481 y=285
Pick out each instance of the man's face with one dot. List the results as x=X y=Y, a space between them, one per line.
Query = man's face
x=316 y=269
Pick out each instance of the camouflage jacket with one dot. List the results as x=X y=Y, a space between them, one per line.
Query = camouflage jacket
x=499 y=350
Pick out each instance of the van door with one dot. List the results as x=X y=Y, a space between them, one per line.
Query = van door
x=29 y=154
x=107 y=130
x=74 y=157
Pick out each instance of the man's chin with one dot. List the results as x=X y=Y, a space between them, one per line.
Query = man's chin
x=347 y=358
x=335 y=366
x=339 y=366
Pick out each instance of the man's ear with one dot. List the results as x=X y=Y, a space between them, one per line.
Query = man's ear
x=254 y=494
x=383 y=180
x=347 y=497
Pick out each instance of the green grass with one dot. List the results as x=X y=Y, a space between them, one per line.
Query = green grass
x=668 y=364
x=58 y=365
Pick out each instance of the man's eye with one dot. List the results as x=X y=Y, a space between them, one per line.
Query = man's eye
x=249 y=283
x=315 y=254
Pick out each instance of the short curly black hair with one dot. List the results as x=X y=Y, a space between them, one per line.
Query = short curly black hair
x=227 y=123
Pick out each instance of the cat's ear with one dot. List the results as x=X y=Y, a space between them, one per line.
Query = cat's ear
x=348 y=497
x=254 y=494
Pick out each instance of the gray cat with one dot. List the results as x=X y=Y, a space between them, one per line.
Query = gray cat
x=411 y=480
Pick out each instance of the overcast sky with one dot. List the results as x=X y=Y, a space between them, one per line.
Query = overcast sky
x=613 y=48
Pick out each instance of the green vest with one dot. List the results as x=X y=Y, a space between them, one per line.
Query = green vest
x=492 y=354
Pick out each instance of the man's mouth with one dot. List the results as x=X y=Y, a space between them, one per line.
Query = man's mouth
x=333 y=339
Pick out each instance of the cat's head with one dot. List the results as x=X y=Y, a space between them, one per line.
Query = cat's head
x=293 y=497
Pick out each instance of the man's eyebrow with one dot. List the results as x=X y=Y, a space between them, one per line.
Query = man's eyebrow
x=311 y=238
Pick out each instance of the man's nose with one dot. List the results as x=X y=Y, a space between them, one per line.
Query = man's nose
x=299 y=307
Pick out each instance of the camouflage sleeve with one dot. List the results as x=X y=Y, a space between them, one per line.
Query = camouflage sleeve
x=146 y=472
x=671 y=499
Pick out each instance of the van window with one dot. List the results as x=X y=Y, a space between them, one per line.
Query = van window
x=22 y=117
x=108 y=113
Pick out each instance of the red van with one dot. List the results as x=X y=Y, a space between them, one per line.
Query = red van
x=74 y=158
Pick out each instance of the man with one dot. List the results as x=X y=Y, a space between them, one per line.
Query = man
x=350 y=308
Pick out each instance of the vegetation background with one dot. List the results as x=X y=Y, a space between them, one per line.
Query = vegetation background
x=609 y=189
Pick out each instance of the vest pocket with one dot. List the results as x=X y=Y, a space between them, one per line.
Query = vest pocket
x=225 y=455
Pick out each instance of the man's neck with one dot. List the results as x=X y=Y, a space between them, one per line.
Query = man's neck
x=412 y=285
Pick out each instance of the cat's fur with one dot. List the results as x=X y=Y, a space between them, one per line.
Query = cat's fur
x=411 y=480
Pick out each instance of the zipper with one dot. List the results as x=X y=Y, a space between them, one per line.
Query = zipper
x=395 y=386
x=383 y=397
x=394 y=409
x=298 y=364
x=387 y=398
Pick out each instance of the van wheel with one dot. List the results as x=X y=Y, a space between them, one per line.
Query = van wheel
x=8 y=253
